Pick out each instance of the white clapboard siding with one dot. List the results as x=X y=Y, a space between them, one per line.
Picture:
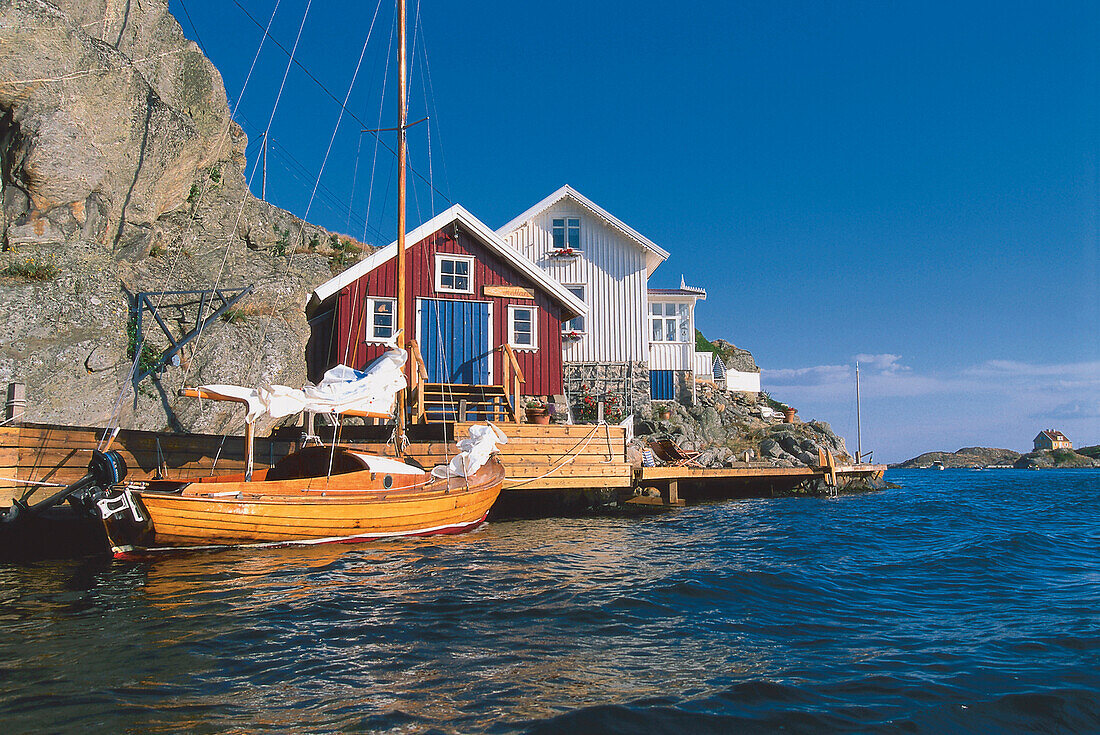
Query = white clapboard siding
x=704 y=365
x=671 y=356
x=613 y=272
x=747 y=382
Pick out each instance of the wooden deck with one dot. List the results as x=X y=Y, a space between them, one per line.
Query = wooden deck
x=668 y=479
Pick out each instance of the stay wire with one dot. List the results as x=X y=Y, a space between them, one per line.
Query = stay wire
x=333 y=97
x=140 y=346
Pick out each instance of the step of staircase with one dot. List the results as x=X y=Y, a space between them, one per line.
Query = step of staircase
x=445 y=402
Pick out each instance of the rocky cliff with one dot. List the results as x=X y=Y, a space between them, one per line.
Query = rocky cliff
x=122 y=172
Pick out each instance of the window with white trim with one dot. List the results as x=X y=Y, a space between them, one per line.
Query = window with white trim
x=668 y=322
x=576 y=324
x=454 y=273
x=523 y=333
x=380 y=315
x=566 y=232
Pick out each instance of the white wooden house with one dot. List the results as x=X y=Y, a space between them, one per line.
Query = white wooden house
x=606 y=264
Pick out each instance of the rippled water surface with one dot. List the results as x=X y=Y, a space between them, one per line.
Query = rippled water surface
x=964 y=601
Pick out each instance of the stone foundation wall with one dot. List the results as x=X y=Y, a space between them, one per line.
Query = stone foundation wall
x=622 y=383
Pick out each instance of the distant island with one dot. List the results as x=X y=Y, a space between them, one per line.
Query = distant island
x=971 y=457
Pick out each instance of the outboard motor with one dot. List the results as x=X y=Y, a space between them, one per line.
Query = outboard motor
x=105 y=469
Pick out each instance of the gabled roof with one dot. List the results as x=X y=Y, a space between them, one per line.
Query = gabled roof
x=1053 y=435
x=573 y=305
x=655 y=255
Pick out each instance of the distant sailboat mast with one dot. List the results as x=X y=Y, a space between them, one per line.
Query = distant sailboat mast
x=859 y=427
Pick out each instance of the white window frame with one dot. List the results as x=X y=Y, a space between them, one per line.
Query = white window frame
x=369 y=336
x=512 y=309
x=565 y=329
x=439 y=258
x=663 y=318
x=565 y=228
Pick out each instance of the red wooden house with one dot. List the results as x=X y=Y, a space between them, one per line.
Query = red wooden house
x=468 y=293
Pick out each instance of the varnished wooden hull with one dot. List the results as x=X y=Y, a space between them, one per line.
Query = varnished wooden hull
x=343 y=508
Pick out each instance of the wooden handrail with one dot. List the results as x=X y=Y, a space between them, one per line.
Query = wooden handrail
x=515 y=362
x=419 y=377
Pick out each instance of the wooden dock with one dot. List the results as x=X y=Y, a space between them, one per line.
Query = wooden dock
x=540 y=460
x=748 y=480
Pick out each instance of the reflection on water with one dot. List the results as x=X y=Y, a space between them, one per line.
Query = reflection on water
x=883 y=610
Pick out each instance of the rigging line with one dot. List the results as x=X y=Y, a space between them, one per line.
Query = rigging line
x=266 y=134
x=333 y=97
x=377 y=140
x=419 y=33
x=301 y=173
x=354 y=179
x=205 y=187
x=198 y=39
x=340 y=117
x=433 y=111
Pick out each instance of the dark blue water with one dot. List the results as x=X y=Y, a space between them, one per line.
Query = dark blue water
x=965 y=601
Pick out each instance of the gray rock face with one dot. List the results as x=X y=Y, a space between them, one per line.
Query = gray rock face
x=727 y=427
x=122 y=173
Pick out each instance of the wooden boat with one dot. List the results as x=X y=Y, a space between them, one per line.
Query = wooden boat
x=298 y=501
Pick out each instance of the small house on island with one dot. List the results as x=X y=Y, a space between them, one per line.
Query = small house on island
x=468 y=294
x=1052 y=439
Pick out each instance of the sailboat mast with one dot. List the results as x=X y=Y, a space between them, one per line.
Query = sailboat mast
x=403 y=115
x=859 y=427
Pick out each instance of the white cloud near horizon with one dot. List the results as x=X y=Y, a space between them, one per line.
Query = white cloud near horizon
x=991 y=403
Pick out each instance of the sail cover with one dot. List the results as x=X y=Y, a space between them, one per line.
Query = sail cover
x=474 y=452
x=341 y=389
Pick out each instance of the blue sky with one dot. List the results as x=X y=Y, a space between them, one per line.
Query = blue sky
x=916 y=183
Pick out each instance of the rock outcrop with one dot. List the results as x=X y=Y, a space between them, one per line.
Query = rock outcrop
x=122 y=172
x=1047 y=459
x=729 y=428
x=965 y=457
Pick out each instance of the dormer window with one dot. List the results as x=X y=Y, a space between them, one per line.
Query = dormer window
x=567 y=233
x=454 y=273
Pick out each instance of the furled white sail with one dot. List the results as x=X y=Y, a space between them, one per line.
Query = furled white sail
x=341 y=389
x=474 y=452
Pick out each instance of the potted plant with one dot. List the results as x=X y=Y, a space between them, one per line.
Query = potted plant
x=788 y=414
x=537 y=412
x=664 y=412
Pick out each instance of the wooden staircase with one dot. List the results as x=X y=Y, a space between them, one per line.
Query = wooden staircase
x=444 y=402
x=433 y=403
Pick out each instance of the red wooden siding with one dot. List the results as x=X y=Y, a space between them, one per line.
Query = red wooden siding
x=542 y=369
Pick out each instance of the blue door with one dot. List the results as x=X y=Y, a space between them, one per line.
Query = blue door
x=455 y=340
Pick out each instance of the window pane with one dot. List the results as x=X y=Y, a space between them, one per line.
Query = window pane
x=559 y=233
x=447 y=266
x=462 y=267
x=461 y=283
x=655 y=309
x=670 y=330
x=656 y=330
x=574 y=233
x=447 y=281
